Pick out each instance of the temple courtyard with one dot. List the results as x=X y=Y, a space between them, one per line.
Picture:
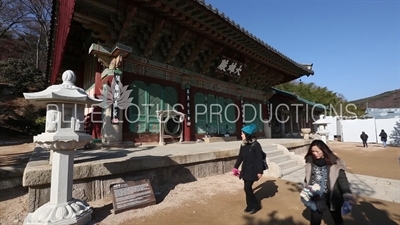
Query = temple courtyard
x=374 y=173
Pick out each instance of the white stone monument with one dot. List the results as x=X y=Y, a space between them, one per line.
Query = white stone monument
x=63 y=134
x=322 y=130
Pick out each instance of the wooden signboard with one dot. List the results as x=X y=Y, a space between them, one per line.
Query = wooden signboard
x=132 y=194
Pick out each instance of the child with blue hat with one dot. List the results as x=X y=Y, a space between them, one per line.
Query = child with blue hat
x=250 y=154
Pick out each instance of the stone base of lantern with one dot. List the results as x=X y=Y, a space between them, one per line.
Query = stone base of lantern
x=306 y=133
x=324 y=138
x=72 y=212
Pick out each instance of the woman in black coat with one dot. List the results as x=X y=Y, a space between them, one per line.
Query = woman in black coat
x=250 y=156
x=324 y=168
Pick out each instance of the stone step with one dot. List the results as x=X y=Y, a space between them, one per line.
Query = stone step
x=267 y=148
x=279 y=158
x=287 y=164
x=274 y=153
x=291 y=170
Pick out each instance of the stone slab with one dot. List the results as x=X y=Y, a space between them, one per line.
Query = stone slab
x=165 y=166
x=219 y=139
x=104 y=162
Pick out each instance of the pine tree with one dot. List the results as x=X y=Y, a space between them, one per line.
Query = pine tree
x=395 y=136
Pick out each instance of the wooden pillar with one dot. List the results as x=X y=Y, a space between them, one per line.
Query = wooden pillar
x=239 y=116
x=188 y=122
x=187 y=100
x=66 y=12
x=265 y=111
x=97 y=111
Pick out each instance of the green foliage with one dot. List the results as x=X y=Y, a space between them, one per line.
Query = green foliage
x=395 y=135
x=22 y=75
x=321 y=95
x=30 y=122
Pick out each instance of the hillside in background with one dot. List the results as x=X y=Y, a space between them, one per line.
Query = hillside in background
x=18 y=118
x=389 y=99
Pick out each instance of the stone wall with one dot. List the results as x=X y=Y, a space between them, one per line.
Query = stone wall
x=163 y=172
x=96 y=170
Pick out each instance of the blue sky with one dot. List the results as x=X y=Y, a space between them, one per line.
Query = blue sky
x=354 y=45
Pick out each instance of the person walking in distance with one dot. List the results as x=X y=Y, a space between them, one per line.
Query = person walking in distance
x=364 y=138
x=383 y=136
x=326 y=184
x=250 y=156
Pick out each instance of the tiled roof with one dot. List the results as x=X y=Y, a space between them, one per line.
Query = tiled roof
x=305 y=67
x=303 y=100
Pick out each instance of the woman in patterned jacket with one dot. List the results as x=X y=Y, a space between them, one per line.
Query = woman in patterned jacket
x=326 y=170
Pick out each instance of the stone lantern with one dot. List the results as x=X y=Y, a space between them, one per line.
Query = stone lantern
x=63 y=134
x=322 y=130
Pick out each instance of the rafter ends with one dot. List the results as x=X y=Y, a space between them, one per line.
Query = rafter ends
x=153 y=38
x=152 y=4
x=167 y=8
x=216 y=52
x=189 y=21
x=175 y=47
x=175 y=13
x=193 y=57
x=126 y=25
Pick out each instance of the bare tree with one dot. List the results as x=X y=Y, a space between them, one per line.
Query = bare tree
x=12 y=16
x=37 y=31
x=27 y=22
x=40 y=13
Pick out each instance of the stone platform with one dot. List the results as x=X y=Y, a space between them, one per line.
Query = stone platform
x=165 y=166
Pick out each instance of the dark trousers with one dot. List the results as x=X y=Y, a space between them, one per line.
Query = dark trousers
x=316 y=217
x=365 y=144
x=251 y=199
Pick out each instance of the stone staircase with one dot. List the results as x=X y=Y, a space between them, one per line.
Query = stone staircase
x=281 y=162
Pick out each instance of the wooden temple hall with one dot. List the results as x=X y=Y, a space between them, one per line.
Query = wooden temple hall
x=151 y=56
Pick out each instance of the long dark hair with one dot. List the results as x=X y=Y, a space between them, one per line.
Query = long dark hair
x=328 y=153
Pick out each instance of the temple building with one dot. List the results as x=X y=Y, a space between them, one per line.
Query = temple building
x=290 y=113
x=181 y=62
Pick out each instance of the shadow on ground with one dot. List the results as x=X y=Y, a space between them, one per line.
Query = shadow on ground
x=273 y=219
x=12 y=193
x=267 y=189
x=15 y=159
x=163 y=173
x=366 y=212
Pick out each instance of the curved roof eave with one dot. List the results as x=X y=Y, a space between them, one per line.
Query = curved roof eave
x=303 y=100
x=209 y=7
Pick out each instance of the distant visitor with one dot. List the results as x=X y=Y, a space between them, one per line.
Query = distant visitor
x=364 y=138
x=383 y=136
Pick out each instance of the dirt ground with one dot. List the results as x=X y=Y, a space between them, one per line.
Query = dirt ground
x=372 y=161
x=220 y=199
x=15 y=154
